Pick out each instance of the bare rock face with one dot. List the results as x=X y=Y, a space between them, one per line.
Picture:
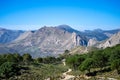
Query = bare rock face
x=112 y=41
x=23 y=36
x=92 y=42
x=75 y=39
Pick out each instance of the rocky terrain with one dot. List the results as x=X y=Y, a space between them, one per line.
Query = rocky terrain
x=52 y=41
x=47 y=41
x=112 y=41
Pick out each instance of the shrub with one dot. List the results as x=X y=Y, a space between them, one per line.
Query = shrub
x=8 y=69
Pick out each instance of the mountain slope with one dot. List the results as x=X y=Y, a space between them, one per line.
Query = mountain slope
x=112 y=41
x=68 y=28
x=47 y=41
x=9 y=35
x=99 y=34
x=52 y=41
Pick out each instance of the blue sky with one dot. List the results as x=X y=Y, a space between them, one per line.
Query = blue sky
x=79 y=14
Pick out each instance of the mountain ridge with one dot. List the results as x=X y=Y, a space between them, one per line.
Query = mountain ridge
x=7 y=35
x=52 y=41
x=47 y=41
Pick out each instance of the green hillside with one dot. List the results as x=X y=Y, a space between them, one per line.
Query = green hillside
x=94 y=65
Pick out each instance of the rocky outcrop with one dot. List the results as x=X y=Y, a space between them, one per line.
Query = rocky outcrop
x=112 y=41
x=92 y=42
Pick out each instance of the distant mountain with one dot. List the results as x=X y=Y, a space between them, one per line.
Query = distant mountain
x=52 y=41
x=94 y=44
x=7 y=36
x=99 y=34
x=47 y=41
x=68 y=28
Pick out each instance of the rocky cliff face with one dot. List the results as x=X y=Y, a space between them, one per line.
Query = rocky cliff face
x=112 y=41
x=97 y=37
x=92 y=42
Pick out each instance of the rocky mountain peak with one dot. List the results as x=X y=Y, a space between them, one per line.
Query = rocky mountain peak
x=68 y=28
x=98 y=30
x=64 y=26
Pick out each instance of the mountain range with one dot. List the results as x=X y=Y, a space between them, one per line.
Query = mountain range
x=52 y=41
x=7 y=36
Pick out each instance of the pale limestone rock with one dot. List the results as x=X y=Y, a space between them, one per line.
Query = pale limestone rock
x=92 y=42
x=112 y=41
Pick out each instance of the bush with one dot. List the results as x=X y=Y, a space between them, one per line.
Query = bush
x=115 y=64
x=87 y=64
x=27 y=58
x=8 y=69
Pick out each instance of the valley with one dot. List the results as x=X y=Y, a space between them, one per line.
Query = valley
x=59 y=39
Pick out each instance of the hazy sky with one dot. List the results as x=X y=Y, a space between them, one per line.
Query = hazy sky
x=79 y=14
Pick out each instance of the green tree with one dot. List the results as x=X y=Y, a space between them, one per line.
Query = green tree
x=115 y=55
x=71 y=61
x=75 y=60
x=27 y=58
x=115 y=64
x=49 y=60
x=10 y=58
x=8 y=69
x=100 y=60
x=115 y=60
x=86 y=65
x=18 y=57
x=79 y=59
x=39 y=60
x=2 y=59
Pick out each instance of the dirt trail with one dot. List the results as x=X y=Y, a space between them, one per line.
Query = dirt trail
x=67 y=76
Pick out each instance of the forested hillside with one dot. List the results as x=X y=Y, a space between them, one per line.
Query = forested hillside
x=95 y=63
